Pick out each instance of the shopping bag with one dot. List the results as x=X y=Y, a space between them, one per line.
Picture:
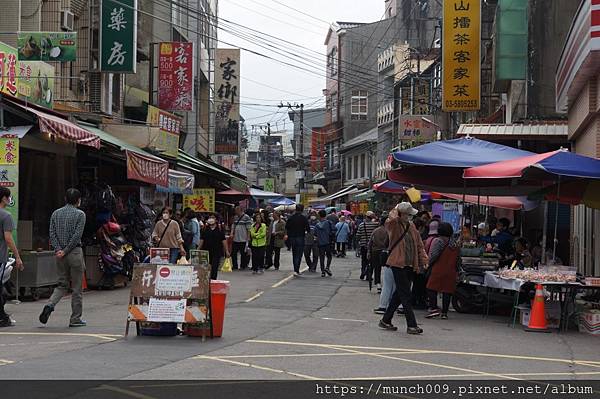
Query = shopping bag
x=227 y=266
x=183 y=261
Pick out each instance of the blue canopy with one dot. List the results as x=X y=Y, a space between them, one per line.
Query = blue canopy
x=458 y=153
x=282 y=201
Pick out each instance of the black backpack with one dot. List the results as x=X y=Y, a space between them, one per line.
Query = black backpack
x=105 y=200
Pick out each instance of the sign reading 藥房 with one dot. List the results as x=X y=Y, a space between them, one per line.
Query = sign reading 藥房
x=227 y=101
x=170 y=125
x=203 y=200
x=8 y=70
x=47 y=46
x=461 y=58
x=118 y=35
x=176 y=76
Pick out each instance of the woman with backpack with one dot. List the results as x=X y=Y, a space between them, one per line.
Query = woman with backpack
x=442 y=270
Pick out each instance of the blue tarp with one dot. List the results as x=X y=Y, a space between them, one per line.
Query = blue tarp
x=458 y=153
x=282 y=201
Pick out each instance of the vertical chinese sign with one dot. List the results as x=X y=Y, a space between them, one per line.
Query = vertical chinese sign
x=461 y=55
x=170 y=125
x=227 y=101
x=118 y=35
x=176 y=76
x=9 y=173
x=203 y=200
x=8 y=70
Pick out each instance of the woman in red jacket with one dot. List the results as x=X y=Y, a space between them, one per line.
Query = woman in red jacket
x=443 y=258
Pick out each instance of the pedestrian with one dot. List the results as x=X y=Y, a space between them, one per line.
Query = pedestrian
x=196 y=228
x=352 y=225
x=377 y=243
x=66 y=228
x=189 y=230
x=341 y=237
x=275 y=241
x=333 y=217
x=297 y=226
x=258 y=236
x=442 y=270
x=311 y=244
x=7 y=225
x=419 y=291
x=167 y=234
x=364 y=232
x=240 y=230
x=323 y=232
x=214 y=241
x=406 y=254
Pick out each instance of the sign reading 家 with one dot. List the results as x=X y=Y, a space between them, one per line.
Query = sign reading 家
x=176 y=76
x=118 y=35
x=461 y=55
x=203 y=200
x=227 y=101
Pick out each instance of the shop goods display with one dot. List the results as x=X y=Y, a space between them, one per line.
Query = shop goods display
x=557 y=274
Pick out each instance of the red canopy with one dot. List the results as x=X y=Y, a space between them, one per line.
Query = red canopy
x=505 y=169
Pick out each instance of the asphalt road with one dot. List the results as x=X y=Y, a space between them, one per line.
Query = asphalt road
x=280 y=327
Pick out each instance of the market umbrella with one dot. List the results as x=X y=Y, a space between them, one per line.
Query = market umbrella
x=578 y=192
x=389 y=187
x=345 y=212
x=266 y=195
x=282 y=201
x=514 y=203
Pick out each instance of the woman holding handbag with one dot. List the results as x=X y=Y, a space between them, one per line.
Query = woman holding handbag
x=167 y=234
x=213 y=240
x=258 y=235
x=442 y=271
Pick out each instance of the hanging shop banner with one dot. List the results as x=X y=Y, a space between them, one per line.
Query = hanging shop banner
x=47 y=46
x=176 y=76
x=36 y=83
x=8 y=70
x=227 y=101
x=269 y=185
x=9 y=174
x=203 y=200
x=118 y=35
x=415 y=127
x=461 y=58
x=363 y=207
x=179 y=183
x=147 y=169
x=170 y=126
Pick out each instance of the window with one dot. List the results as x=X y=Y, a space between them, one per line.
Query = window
x=349 y=170
x=333 y=66
x=355 y=175
x=363 y=165
x=359 y=105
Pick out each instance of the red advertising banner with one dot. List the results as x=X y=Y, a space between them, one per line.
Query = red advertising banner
x=176 y=76
x=148 y=169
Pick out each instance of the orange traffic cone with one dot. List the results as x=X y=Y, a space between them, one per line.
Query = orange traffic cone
x=537 y=319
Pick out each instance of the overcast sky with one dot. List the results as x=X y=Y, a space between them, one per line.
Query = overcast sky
x=287 y=83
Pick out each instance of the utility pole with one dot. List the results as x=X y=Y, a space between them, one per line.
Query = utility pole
x=268 y=150
x=300 y=173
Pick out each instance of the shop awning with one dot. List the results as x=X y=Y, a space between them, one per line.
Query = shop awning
x=514 y=203
x=141 y=165
x=541 y=131
x=389 y=187
x=261 y=194
x=202 y=166
x=52 y=124
x=348 y=190
x=179 y=183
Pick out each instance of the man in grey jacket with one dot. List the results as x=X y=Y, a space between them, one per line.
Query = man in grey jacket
x=240 y=230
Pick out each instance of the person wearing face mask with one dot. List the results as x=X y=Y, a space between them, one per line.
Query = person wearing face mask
x=6 y=241
x=167 y=234
x=213 y=240
x=258 y=234
x=66 y=228
x=406 y=255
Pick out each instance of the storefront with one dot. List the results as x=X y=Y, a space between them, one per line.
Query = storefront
x=577 y=85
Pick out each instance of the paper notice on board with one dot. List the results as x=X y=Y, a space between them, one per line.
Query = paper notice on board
x=173 y=280
x=166 y=310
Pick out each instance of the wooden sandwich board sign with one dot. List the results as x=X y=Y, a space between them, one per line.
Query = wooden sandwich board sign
x=170 y=293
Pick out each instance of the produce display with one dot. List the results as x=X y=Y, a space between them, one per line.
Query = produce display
x=543 y=276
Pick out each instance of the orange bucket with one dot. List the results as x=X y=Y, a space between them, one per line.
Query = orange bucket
x=218 y=298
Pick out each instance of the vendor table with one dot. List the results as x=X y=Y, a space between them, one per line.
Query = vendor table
x=565 y=292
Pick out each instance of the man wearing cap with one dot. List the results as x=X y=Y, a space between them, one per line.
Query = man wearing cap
x=407 y=254
x=363 y=234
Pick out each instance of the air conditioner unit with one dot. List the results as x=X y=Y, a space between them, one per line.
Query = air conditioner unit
x=67 y=20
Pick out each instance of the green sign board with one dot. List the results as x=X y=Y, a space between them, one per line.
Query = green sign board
x=47 y=46
x=269 y=185
x=118 y=34
x=36 y=83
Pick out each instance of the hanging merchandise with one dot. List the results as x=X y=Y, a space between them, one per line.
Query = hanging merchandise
x=116 y=256
x=140 y=223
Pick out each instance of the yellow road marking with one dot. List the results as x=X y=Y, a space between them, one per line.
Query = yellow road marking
x=288 y=278
x=254 y=297
x=590 y=363
x=126 y=392
x=254 y=366
x=106 y=337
